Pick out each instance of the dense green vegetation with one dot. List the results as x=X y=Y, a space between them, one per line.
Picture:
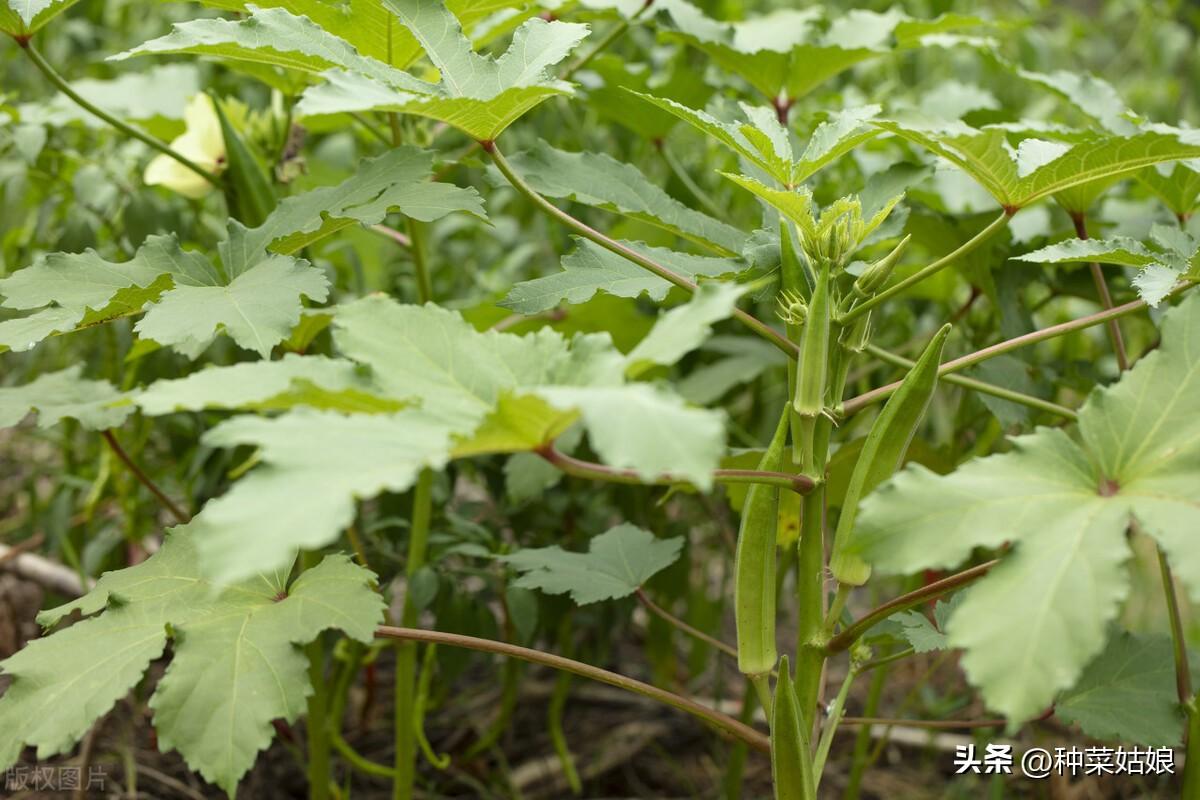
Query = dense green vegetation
x=375 y=371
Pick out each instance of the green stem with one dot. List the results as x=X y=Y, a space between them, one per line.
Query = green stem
x=875 y=663
x=862 y=740
x=613 y=35
x=416 y=236
x=810 y=579
x=613 y=246
x=801 y=484
x=845 y=639
x=1182 y=669
x=722 y=722
x=357 y=760
x=386 y=232
x=369 y=127
x=406 y=651
x=319 y=761
x=676 y=622
x=110 y=439
x=929 y=271
x=1191 y=766
x=855 y=404
x=678 y=170
x=1106 y=301
x=61 y=84
x=831 y=725
x=982 y=387
x=736 y=766
x=554 y=722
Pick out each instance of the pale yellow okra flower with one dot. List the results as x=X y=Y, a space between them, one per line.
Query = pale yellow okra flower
x=201 y=142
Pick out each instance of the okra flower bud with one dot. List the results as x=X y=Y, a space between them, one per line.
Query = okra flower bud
x=875 y=276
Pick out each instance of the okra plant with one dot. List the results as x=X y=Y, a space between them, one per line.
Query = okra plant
x=346 y=338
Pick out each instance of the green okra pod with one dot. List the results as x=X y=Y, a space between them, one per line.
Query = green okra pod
x=884 y=449
x=875 y=276
x=791 y=759
x=754 y=583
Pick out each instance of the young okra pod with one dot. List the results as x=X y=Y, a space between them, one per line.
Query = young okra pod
x=791 y=760
x=813 y=365
x=812 y=369
x=884 y=449
x=754 y=568
x=875 y=276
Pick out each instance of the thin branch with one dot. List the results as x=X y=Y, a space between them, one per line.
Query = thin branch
x=855 y=404
x=723 y=722
x=1114 y=328
x=680 y=172
x=416 y=235
x=388 y=233
x=929 y=271
x=1183 y=673
x=370 y=128
x=800 y=484
x=144 y=479
x=63 y=86
x=982 y=387
x=875 y=663
x=613 y=246
x=617 y=32
x=676 y=622
x=845 y=639
x=932 y=724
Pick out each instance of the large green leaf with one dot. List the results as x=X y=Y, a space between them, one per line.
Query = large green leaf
x=478 y=94
x=25 y=17
x=1044 y=168
x=1177 y=185
x=1160 y=271
x=684 y=328
x=1065 y=505
x=1124 y=251
x=257 y=307
x=394 y=181
x=1093 y=96
x=254 y=296
x=590 y=268
x=761 y=139
x=367 y=25
x=463 y=392
x=616 y=565
x=788 y=53
x=1127 y=693
x=236 y=662
x=255 y=299
x=599 y=180
x=313 y=381
x=273 y=36
x=59 y=395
